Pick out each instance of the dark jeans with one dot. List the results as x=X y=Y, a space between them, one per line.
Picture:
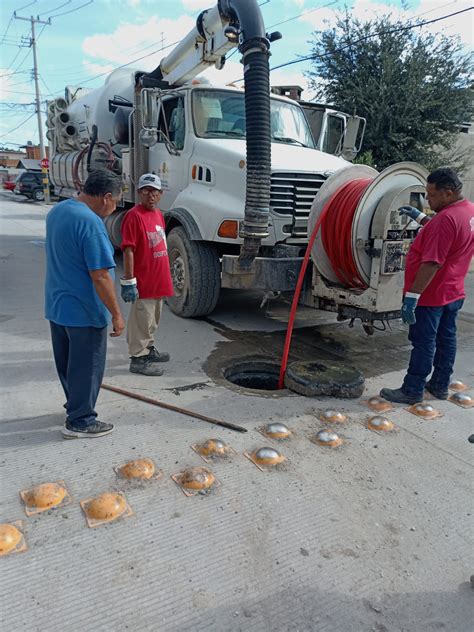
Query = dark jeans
x=79 y=354
x=433 y=337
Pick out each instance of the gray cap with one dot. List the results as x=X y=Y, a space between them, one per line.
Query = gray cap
x=149 y=180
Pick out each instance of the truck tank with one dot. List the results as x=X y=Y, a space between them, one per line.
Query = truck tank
x=93 y=108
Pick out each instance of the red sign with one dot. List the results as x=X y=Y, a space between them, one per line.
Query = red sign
x=44 y=164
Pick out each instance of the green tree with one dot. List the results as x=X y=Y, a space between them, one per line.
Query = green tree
x=410 y=85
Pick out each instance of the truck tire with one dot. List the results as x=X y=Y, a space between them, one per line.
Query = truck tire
x=196 y=274
x=38 y=195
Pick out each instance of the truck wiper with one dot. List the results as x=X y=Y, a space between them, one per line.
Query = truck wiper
x=287 y=139
x=221 y=132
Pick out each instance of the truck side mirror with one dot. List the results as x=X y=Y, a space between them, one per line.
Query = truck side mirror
x=149 y=107
x=353 y=137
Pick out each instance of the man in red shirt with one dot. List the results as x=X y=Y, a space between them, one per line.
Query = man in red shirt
x=436 y=266
x=147 y=277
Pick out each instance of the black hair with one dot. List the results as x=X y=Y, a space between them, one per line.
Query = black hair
x=102 y=181
x=445 y=178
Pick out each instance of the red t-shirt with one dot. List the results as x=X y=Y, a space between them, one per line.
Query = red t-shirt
x=144 y=231
x=447 y=239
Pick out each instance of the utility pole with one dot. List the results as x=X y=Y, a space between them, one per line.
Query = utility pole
x=44 y=157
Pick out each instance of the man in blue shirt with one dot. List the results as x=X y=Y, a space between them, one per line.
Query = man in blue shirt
x=80 y=298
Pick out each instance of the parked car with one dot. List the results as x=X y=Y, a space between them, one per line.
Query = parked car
x=30 y=184
x=9 y=185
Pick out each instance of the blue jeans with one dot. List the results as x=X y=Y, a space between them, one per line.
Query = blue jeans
x=433 y=337
x=79 y=355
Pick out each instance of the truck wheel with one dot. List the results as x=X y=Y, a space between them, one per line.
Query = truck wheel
x=195 y=270
x=38 y=195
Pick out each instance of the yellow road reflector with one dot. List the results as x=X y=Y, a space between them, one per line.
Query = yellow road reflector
x=11 y=538
x=45 y=496
x=105 y=508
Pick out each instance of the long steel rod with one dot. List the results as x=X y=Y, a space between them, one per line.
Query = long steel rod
x=176 y=409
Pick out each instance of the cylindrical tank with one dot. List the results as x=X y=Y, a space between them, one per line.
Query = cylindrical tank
x=93 y=108
x=113 y=224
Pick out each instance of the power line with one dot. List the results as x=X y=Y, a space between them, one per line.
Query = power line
x=18 y=126
x=6 y=30
x=10 y=74
x=57 y=15
x=295 y=17
x=56 y=8
x=132 y=62
x=27 y=5
x=366 y=37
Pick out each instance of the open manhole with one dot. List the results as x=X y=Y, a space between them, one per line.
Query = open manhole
x=256 y=375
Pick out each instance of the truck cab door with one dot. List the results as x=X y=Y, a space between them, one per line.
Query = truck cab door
x=169 y=158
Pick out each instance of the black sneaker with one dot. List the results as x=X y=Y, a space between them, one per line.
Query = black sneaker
x=436 y=392
x=144 y=366
x=398 y=396
x=97 y=429
x=158 y=356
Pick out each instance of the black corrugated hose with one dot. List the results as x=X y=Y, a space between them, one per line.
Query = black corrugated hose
x=258 y=136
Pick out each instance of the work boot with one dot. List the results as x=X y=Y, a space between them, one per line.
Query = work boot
x=144 y=366
x=97 y=429
x=437 y=392
x=398 y=396
x=158 y=356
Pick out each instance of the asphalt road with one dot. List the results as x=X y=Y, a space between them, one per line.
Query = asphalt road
x=375 y=535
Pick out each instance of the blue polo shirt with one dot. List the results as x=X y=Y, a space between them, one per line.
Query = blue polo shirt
x=76 y=242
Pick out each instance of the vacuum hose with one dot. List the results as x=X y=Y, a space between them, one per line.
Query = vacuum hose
x=257 y=113
x=255 y=50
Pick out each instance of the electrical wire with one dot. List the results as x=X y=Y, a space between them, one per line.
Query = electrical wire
x=18 y=126
x=370 y=36
x=6 y=30
x=56 y=8
x=57 y=15
x=26 y=6
x=295 y=17
x=10 y=74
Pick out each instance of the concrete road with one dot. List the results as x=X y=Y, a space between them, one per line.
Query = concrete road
x=374 y=535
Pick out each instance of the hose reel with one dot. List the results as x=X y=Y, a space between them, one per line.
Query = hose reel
x=359 y=253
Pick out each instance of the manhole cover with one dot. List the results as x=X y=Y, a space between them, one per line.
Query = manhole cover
x=256 y=375
x=315 y=379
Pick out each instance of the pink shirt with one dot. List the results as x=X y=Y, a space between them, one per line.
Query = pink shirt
x=447 y=239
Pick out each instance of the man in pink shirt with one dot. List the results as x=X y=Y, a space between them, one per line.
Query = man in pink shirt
x=436 y=266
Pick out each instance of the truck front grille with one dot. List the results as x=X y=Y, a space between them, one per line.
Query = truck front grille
x=293 y=194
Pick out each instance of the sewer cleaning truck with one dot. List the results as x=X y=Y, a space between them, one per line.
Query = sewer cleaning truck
x=241 y=170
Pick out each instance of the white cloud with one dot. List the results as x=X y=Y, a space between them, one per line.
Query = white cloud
x=366 y=10
x=92 y=68
x=130 y=41
x=196 y=5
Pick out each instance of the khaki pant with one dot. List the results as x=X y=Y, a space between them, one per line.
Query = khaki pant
x=143 y=320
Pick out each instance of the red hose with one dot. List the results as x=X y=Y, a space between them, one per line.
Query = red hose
x=336 y=232
x=337 y=214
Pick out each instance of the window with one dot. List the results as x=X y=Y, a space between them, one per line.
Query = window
x=221 y=114
x=171 y=121
x=334 y=136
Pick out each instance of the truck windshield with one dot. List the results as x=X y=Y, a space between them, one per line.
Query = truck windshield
x=221 y=114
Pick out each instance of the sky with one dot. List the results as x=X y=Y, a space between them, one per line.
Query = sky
x=89 y=38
